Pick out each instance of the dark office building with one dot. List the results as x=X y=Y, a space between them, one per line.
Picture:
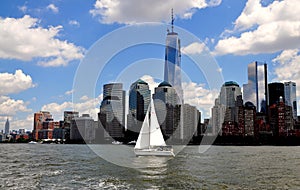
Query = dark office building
x=276 y=90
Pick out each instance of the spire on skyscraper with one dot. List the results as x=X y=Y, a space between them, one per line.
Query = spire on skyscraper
x=172 y=22
x=6 y=130
x=172 y=72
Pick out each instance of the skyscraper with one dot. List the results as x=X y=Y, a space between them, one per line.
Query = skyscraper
x=225 y=104
x=167 y=109
x=6 y=130
x=112 y=109
x=172 y=73
x=139 y=100
x=290 y=97
x=276 y=92
x=256 y=90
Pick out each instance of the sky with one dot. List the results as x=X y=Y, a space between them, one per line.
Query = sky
x=44 y=45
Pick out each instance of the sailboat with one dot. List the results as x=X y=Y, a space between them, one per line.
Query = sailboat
x=151 y=141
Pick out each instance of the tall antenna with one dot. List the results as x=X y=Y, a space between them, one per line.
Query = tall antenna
x=172 y=17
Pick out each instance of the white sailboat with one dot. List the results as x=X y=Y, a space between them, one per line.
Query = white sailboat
x=151 y=141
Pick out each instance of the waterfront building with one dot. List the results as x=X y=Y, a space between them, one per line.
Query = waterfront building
x=6 y=129
x=217 y=118
x=2 y=137
x=48 y=127
x=291 y=97
x=225 y=108
x=139 y=100
x=276 y=90
x=112 y=110
x=172 y=72
x=191 y=117
x=83 y=129
x=38 y=120
x=239 y=116
x=250 y=119
x=277 y=117
x=68 y=116
x=256 y=89
x=288 y=116
x=168 y=111
x=21 y=131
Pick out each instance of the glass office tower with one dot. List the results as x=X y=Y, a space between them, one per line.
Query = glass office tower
x=172 y=73
x=290 y=96
x=256 y=90
x=112 y=109
x=139 y=100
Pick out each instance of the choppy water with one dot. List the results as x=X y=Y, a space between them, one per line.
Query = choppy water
x=40 y=166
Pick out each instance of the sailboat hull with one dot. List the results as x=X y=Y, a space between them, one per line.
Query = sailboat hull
x=153 y=152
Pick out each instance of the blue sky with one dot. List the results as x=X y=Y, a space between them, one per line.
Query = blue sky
x=42 y=44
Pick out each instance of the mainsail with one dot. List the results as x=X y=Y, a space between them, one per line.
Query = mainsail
x=156 y=137
x=143 y=140
x=150 y=134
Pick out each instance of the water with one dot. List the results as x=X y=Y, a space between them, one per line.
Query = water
x=40 y=166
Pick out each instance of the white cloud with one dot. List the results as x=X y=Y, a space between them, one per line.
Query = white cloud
x=264 y=29
x=69 y=92
x=24 y=39
x=197 y=95
x=11 y=107
x=74 y=23
x=14 y=83
x=23 y=8
x=88 y=105
x=256 y=14
x=136 y=11
x=53 y=8
x=26 y=123
x=287 y=56
x=84 y=98
x=289 y=68
x=194 y=48
x=150 y=80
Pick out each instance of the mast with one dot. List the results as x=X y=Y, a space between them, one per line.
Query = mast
x=172 y=22
x=150 y=122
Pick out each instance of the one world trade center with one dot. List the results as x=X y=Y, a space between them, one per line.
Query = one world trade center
x=172 y=73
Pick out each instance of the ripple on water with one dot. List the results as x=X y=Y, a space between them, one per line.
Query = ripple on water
x=76 y=167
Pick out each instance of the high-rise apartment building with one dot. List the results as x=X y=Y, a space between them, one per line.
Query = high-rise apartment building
x=256 y=89
x=290 y=97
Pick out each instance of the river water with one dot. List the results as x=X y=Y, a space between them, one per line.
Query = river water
x=62 y=166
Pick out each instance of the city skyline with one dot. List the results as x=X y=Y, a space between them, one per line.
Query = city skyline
x=36 y=76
